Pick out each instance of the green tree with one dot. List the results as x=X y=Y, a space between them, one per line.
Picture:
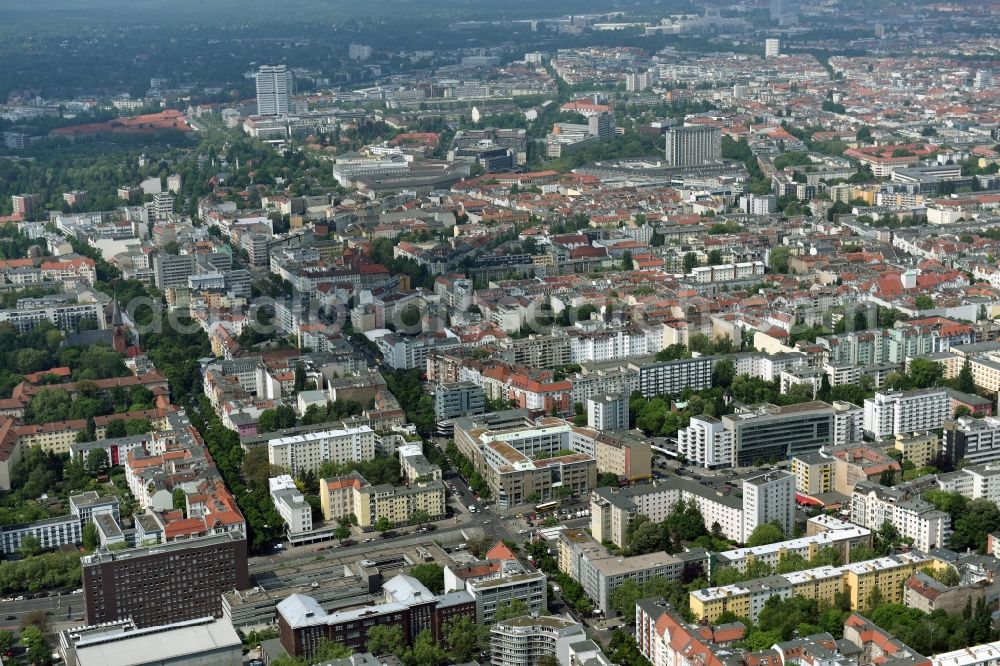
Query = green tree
x=6 y=641
x=329 y=650
x=36 y=646
x=923 y=373
x=30 y=546
x=964 y=382
x=466 y=639
x=382 y=524
x=923 y=302
x=419 y=517
x=778 y=259
x=425 y=651
x=384 y=639
x=431 y=575
x=91 y=540
x=764 y=534
x=690 y=262
x=512 y=608
x=97 y=461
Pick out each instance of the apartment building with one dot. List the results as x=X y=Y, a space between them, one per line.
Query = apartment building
x=67 y=317
x=773 y=433
x=408 y=352
x=672 y=377
x=974 y=482
x=857 y=580
x=624 y=455
x=665 y=639
x=527 y=641
x=904 y=412
x=970 y=439
x=768 y=498
x=813 y=473
x=397 y=504
x=352 y=495
x=608 y=412
x=306 y=452
x=914 y=518
x=587 y=561
x=920 y=448
x=827 y=532
x=171 y=582
x=537 y=351
x=765 y=498
x=291 y=506
x=706 y=442
x=590 y=383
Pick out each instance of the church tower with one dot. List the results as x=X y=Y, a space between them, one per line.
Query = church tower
x=119 y=331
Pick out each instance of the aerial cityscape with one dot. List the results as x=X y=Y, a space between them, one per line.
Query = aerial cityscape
x=575 y=333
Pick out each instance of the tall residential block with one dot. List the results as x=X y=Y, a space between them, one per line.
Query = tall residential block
x=693 y=145
x=274 y=90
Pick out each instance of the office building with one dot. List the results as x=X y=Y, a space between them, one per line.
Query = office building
x=51 y=533
x=172 y=270
x=166 y=583
x=403 y=601
x=772 y=48
x=705 y=442
x=198 y=642
x=608 y=412
x=497 y=580
x=693 y=145
x=310 y=450
x=823 y=584
x=527 y=459
x=458 y=399
x=274 y=90
x=974 y=440
x=526 y=640
x=359 y=52
x=914 y=518
x=771 y=433
x=904 y=412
